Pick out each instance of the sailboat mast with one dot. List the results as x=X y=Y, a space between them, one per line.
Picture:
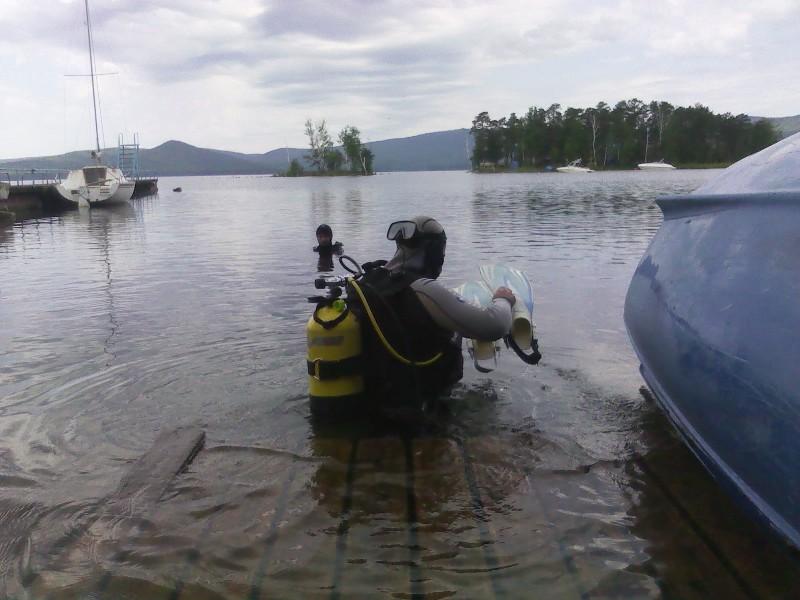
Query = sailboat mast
x=91 y=70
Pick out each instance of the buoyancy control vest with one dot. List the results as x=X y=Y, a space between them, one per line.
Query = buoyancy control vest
x=409 y=328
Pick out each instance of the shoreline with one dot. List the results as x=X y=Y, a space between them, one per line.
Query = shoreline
x=687 y=167
x=325 y=174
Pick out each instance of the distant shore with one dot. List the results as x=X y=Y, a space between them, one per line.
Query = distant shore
x=324 y=174
x=502 y=169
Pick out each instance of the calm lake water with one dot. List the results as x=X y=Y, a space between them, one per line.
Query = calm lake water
x=555 y=481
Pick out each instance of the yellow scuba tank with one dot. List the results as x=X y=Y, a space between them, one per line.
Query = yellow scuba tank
x=335 y=364
x=335 y=379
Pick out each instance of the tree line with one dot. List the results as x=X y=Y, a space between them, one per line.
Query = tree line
x=631 y=132
x=351 y=158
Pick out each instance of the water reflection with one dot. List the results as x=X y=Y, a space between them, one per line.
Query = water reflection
x=325 y=262
x=101 y=226
x=6 y=235
x=698 y=543
x=320 y=207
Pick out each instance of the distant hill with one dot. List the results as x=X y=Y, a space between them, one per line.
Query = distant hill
x=71 y=160
x=170 y=158
x=442 y=150
x=438 y=151
x=785 y=126
x=180 y=158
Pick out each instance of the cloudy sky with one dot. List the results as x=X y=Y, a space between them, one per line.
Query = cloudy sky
x=245 y=74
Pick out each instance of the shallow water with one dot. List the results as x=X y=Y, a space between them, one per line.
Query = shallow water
x=560 y=481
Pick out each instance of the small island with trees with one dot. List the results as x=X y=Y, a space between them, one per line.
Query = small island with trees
x=621 y=137
x=350 y=158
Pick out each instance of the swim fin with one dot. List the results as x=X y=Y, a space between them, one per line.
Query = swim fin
x=522 y=337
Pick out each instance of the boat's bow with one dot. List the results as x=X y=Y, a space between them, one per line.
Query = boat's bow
x=713 y=312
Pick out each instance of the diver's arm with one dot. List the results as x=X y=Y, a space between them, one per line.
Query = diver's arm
x=451 y=312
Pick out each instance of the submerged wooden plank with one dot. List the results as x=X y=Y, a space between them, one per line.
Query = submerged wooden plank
x=147 y=479
x=237 y=516
x=59 y=561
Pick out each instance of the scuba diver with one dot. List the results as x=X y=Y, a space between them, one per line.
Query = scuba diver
x=420 y=318
x=326 y=248
x=325 y=243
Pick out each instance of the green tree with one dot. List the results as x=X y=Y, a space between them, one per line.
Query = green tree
x=320 y=144
x=512 y=136
x=350 y=139
x=315 y=155
x=662 y=112
x=601 y=115
x=295 y=169
x=575 y=136
x=488 y=136
x=553 y=122
x=333 y=159
x=366 y=157
x=325 y=142
x=481 y=125
x=624 y=136
x=763 y=135
x=534 y=137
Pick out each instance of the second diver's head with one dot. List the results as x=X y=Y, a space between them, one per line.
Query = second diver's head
x=421 y=243
x=324 y=235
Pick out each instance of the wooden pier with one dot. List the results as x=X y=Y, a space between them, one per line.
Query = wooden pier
x=35 y=189
x=145 y=187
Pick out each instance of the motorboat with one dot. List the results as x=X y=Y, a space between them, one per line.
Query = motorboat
x=574 y=167
x=97 y=183
x=655 y=166
x=713 y=313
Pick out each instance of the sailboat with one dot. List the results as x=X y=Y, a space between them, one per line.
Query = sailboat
x=95 y=184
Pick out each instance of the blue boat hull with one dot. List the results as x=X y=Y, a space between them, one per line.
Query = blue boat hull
x=713 y=312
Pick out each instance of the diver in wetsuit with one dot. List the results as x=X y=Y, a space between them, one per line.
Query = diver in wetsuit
x=325 y=243
x=326 y=248
x=421 y=318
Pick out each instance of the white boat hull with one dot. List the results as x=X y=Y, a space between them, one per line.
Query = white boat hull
x=655 y=167
x=5 y=189
x=110 y=188
x=124 y=192
x=574 y=170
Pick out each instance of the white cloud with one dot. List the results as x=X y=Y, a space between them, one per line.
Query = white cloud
x=245 y=74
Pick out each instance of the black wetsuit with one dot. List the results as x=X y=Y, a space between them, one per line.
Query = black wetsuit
x=334 y=248
x=399 y=302
x=326 y=254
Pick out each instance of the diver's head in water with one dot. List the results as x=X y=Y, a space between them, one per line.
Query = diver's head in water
x=324 y=236
x=421 y=243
